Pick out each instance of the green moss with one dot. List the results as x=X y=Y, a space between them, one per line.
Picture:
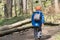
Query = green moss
x=13 y=20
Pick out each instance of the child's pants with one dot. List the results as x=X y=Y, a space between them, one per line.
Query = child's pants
x=37 y=33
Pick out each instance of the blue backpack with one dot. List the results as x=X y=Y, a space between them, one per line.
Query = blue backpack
x=36 y=17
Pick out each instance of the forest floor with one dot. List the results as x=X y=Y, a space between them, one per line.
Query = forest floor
x=49 y=33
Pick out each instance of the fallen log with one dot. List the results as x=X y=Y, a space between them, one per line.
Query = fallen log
x=2 y=33
x=20 y=23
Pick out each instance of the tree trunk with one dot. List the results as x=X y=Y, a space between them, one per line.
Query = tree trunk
x=5 y=11
x=21 y=6
x=24 y=6
x=2 y=33
x=56 y=6
x=40 y=3
x=32 y=5
x=15 y=7
x=9 y=7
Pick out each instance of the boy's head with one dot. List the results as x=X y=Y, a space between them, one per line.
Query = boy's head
x=37 y=8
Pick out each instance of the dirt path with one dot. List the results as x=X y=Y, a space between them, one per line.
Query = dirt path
x=48 y=32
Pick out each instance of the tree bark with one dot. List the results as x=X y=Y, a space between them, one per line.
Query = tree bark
x=56 y=6
x=21 y=6
x=40 y=3
x=15 y=8
x=9 y=7
x=24 y=6
x=5 y=11
x=32 y=5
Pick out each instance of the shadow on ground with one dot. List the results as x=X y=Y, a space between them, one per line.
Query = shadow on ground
x=52 y=24
x=45 y=37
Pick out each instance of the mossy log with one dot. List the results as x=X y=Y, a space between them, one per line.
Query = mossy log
x=20 y=23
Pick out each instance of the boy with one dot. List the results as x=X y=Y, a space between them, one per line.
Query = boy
x=37 y=22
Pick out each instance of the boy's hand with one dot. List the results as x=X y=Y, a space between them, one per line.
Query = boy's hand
x=42 y=25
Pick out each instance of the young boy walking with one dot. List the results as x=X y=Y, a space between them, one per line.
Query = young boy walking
x=37 y=22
